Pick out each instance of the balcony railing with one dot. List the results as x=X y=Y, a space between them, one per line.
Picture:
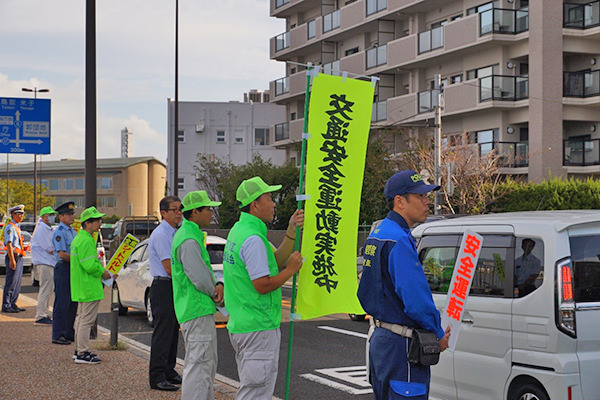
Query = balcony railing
x=311 y=29
x=379 y=111
x=374 y=6
x=376 y=56
x=281 y=3
x=332 y=68
x=282 y=41
x=331 y=21
x=282 y=85
x=581 y=16
x=282 y=131
x=512 y=154
x=431 y=39
x=503 y=87
x=426 y=101
x=498 y=20
x=581 y=152
x=581 y=83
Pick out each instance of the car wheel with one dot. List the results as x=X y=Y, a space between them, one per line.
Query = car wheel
x=122 y=310
x=149 y=311
x=530 y=391
x=357 y=317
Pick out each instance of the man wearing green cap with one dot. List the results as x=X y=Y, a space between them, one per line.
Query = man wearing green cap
x=195 y=292
x=253 y=287
x=42 y=257
x=86 y=283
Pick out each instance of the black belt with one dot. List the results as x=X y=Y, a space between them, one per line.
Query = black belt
x=161 y=278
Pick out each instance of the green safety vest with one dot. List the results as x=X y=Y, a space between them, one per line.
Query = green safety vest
x=86 y=269
x=249 y=311
x=189 y=302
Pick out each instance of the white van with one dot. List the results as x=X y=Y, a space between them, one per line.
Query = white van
x=531 y=327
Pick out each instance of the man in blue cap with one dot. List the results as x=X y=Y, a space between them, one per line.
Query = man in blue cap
x=394 y=291
x=64 y=310
x=15 y=252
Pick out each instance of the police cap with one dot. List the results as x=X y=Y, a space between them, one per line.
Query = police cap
x=17 y=209
x=66 y=208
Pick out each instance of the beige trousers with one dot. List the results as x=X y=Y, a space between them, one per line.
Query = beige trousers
x=45 y=274
x=86 y=315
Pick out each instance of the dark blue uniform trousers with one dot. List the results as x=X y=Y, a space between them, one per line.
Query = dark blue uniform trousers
x=12 y=284
x=388 y=362
x=163 y=350
x=65 y=310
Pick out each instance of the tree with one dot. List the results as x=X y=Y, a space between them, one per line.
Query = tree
x=221 y=179
x=21 y=192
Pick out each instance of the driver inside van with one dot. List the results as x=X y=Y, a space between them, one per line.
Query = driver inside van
x=527 y=269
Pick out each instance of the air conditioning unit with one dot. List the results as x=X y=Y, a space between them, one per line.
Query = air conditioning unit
x=200 y=127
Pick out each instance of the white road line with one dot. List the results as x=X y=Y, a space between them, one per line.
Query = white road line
x=345 y=332
x=336 y=385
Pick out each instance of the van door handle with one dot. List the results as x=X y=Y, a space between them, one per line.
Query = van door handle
x=467 y=320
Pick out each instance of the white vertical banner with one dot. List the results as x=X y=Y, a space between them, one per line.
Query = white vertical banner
x=462 y=278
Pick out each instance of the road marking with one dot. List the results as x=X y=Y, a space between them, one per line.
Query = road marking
x=344 y=331
x=356 y=376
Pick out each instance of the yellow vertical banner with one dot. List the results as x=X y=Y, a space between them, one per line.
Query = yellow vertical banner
x=339 y=118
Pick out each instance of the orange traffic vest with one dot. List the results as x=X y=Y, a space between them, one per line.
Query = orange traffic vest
x=22 y=251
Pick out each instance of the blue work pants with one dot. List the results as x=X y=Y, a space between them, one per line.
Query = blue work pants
x=65 y=310
x=12 y=284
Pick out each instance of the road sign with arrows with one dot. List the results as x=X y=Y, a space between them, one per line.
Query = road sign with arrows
x=24 y=126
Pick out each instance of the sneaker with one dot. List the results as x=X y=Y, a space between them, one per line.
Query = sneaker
x=43 y=322
x=75 y=354
x=87 y=358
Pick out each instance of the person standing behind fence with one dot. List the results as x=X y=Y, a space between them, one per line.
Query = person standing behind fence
x=65 y=310
x=13 y=260
x=42 y=257
x=163 y=348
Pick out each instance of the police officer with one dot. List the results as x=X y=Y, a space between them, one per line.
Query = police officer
x=65 y=310
x=394 y=291
x=14 y=260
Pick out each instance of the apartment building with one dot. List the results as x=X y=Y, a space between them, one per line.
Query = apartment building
x=518 y=77
x=231 y=131
x=124 y=186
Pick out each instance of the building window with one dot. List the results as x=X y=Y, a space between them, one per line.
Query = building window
x=331 y=21
x=311 y=27
x=456 y=79
x=374 y=6
x=482 y=72
x=292 y=116
x=104 y=183
x=181 y=136
x=487 y=141
x=107 y=201
x=180 y=183
x=69 y=184
x=351 y=51
x=239 y=139
x=54 y=184
x=220 y=136
x=376 y=56
x=483 y=7
x=79 y=184
x=261 y=136
x=282 y=131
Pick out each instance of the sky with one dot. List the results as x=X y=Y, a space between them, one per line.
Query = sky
x=223 y=53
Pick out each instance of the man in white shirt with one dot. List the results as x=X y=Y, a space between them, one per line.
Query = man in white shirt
x=527 y=268
x=42 y=257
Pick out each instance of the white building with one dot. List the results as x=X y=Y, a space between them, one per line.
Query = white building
x=232 y=131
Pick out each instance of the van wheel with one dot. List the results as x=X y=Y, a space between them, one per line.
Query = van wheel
x=530 y=391
x=149 y=311
x=122 y=310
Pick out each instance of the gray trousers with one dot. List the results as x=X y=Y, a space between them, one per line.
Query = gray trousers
x=86 y=315
x=45 y=274
x=257 y=358
x=200 y=368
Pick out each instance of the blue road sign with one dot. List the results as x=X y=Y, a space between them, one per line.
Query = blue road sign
x=24 y=126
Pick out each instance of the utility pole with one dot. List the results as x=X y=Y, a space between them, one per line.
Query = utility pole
x=437 y=91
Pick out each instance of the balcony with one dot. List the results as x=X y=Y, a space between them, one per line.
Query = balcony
x=512 y=154
x=376 y=56
x=282 y=131
x=375 y=6
x=282 y=86
x=498 y=20
x=581 y=84
x=427 y=101
x=281 y=3
x=581 y=16
x=431 y=40
x=379 y=111
x=282 y=41
x=331 y=21
x=577 y=152
x=503 y=87
x=332 y=68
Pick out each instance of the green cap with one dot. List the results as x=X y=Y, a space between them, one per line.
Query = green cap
x=47 y=210
x=90 y=213
x=197 y=199
x=251 y=189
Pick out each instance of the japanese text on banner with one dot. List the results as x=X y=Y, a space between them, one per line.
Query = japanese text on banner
x=122 y=254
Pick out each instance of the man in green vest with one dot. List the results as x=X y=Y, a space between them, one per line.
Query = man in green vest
x=253 y=280
x=195 y=293
x=87 y=273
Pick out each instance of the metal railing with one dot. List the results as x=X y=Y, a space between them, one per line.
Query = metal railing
x=332 y=68
x=282 y=85
x=374 y=6
x=282 y=41
x=581 y=16
x=311 y=29
x=426 y=101
x=379 y=111
x=499 y=20
x=581 y=83
x=282 y=131
x=510 y=154
x=431 y=39
x=503 y=87
x=581 y=152
x=281 y=3
x=331 y=21
x=377 y=56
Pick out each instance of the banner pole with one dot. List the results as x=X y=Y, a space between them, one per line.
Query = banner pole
x=296 y=243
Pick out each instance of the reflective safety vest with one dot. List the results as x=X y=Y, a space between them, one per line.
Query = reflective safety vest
x=20 y=251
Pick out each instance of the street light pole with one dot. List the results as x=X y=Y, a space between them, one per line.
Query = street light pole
x=35 y=91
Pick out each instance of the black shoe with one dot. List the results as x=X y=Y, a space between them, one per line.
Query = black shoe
x=10 y=310
x=35 y=283
x=176 y=380
x=164 y=385
x=61 y=340
x=19 y=309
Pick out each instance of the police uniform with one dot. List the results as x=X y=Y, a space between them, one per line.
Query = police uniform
x=65 y=310
x=12 y=285
x=394 y=291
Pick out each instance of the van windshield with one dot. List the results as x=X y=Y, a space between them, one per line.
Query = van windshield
x=585 y=254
